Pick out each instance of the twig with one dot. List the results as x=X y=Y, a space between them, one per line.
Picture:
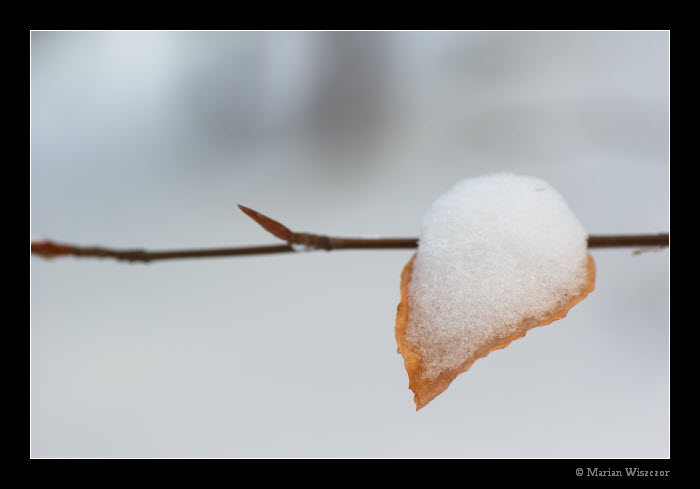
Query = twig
x=298 y=242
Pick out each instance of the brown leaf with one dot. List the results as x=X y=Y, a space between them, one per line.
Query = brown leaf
x=425 y=389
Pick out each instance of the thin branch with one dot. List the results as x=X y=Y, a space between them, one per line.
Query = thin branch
x=631 y=240
x=298 y=242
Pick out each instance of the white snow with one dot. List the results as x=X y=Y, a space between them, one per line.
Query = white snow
x=300 y=248
x=493 y=251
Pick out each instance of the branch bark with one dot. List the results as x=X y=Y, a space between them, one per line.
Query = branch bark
x=298 y=242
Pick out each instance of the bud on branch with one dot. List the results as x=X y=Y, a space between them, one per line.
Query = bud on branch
x=297 y=242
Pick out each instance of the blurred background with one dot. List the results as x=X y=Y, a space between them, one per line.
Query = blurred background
x=150 y=139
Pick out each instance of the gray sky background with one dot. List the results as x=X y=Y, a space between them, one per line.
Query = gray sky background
x=150 y=139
